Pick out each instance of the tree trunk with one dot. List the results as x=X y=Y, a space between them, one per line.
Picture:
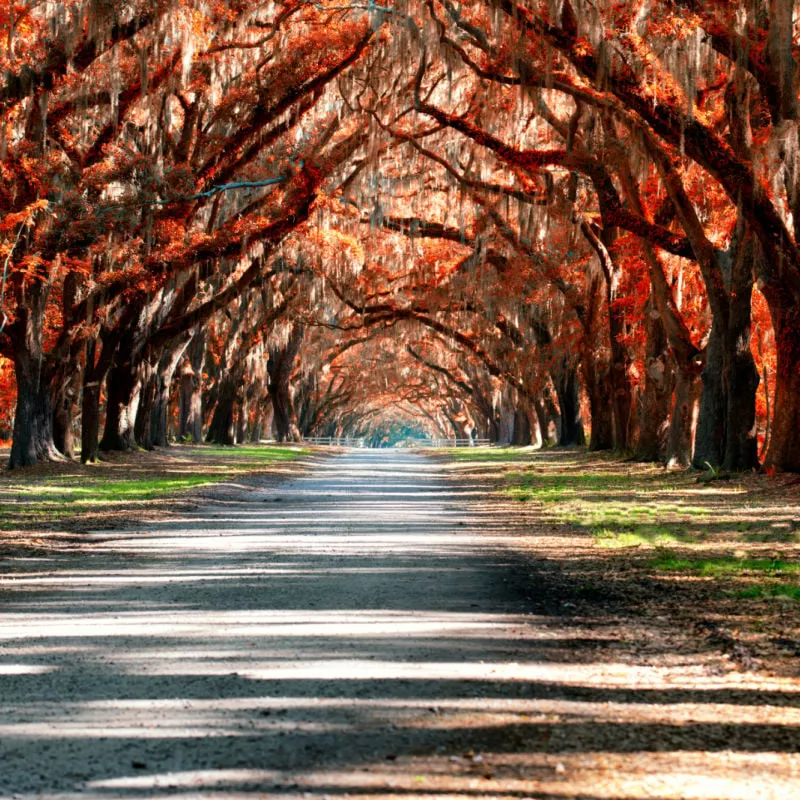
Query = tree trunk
x=741 y=442
x=621 y=383
x=64 y=413
x=285 y=422
x=90 y=422
x=680 y=444
x=69 y=376
x=521 y=436
x=784 y=448
x=709 y=448
x=654 y=405
x=122 y=391
x=598 y=381
x=567 y=392
x=263 y=421
x=190 y=425
x=220 y=429
x=144 y=412
x=33 y=418
x=280 y=367
x=548 y=417
x=242 y=419
x=158 y=429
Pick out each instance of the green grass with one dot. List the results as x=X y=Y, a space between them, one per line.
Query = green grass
x=257 y=453
x=617 y=510
x=762 y=591
x=724 y=565
x=661 y=523
x=784 y=536
x=56 y=497
x=657 y=535
x=492 y=454
x=127 y=489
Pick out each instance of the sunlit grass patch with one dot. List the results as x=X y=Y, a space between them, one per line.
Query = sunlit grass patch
x=492 y=454
x=545 y=494
x=258 y=453
x=130 y=489
x=653 y=536
x=129 y=482
x=617 y=510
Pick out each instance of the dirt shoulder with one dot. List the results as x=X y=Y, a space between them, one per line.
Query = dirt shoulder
x=709 y=563
x=53 y=505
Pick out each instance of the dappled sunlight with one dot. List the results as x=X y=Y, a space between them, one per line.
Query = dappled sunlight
x=365 y=643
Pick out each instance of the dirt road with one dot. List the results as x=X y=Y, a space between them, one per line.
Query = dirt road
x=369 y=629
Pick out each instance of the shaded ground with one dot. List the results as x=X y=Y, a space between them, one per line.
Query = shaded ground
x=382 y=626
x=720 y=557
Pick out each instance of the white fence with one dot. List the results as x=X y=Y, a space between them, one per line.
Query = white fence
x=350 y=441
x=335 y=441
x=451 y=443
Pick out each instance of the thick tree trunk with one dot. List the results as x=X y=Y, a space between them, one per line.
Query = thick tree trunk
x=621 y=385
x=144 y=412
x=710 y=441
x=190 y=425
x=157 y=432
x=784 y=448
x=257 y=431
x=285 y=421
x=654 y=403
x=94 y=374
x=64 y=414
x=548 y=417
x=534 y=421
x=521 y=436
x=280 y=367
x=263 y=421
x=33 y=419
x=680 y=444
x=242 y=419
x=69 y=376
x=159 y=418
x=122 y=392
x=726 y=433
x=488 y=421
x=598 y=382
x=741 y=442
x=90 y=422
x=220 y=429
x=567 y=392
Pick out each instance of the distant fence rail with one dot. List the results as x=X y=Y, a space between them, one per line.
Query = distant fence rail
x=451 y=443
x=336 y=441
x=354 y=441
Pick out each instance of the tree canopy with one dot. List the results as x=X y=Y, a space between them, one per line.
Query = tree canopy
x=537 y=222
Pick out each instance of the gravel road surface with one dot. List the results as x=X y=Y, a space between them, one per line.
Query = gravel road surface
x=364 y=630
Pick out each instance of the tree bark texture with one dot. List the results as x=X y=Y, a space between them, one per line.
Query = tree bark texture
x=567 y=391
x=280 y=367
x=33 y=419
x=680 y=445
x=654 y=402
x=190 y=417
x=220 y=429
x=784 y=449
x=123 y=386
